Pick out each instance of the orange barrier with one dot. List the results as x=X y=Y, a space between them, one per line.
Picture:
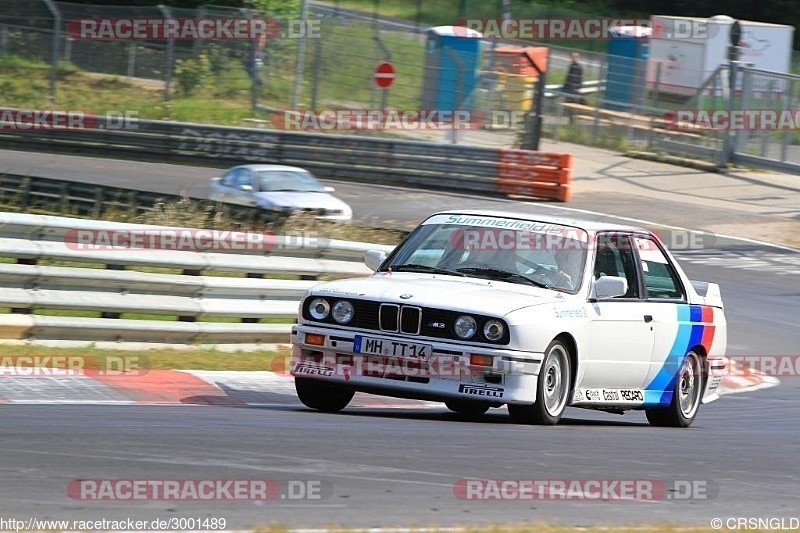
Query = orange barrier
x=538 y=174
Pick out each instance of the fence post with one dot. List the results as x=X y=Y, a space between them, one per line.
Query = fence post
x=255 y=68
x=787 y=103
x=67 y=49
x=387 y=57
x=317 y=64
x=559 y=115
x=656 y=88
x=54 y=46
x=741 y=136
x=131 y=59
x=170 y=56
x=459 y=83
x=765 y=134
x=3 y=38
x=730 y=139
x=197 y=45
x=301 y=56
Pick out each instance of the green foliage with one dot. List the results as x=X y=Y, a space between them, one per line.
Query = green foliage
x=191 y=73
x=219 y=59
x=275 y=8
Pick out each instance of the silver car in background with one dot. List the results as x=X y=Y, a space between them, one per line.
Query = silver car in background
x=278 y=189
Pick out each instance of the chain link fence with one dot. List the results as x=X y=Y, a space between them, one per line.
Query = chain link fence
x=324 y=59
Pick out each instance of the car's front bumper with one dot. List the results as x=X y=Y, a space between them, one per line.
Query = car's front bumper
x=445 y=374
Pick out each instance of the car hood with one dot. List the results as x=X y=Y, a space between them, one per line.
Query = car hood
x=473 y=295
x=301 y=200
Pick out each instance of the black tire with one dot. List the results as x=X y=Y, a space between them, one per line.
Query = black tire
x=466 y=407
x=552 y=392
x=322 y=396
x=686 y=396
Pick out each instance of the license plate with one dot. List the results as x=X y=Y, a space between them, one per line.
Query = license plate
x=373 y=346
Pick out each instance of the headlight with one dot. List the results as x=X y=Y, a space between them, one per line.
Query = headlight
x=493 y=330
x=319 y=308
x=465 y=326
x=343 y=311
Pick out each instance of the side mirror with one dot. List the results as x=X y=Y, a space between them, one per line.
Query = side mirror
x=374 y=259
x=329 y=189
x=609 y=287
x=247 y=188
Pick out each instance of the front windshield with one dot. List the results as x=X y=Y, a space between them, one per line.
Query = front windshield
x=287 y=180
x=524 y=252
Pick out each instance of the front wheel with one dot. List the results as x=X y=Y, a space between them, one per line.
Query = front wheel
x=322 y=396
x=552 y=390
x=686 y=396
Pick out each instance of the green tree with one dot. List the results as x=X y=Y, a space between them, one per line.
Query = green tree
x=191 y=73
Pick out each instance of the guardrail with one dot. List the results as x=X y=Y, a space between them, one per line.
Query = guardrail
x=356 y=158
x=73 y=265
x=65 y=197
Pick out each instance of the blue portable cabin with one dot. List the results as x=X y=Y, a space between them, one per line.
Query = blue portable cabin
x=627 y=66
x=448 y=81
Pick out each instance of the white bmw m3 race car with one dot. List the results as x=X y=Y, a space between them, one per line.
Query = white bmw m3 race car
x=479 y=309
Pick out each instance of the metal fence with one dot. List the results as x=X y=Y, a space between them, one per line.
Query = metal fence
x=328 y=63
x=651 y=121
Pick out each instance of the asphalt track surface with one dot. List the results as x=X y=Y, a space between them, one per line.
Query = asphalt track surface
x=390 y=467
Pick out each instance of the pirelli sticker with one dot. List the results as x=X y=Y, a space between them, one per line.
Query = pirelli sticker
x=484 y=391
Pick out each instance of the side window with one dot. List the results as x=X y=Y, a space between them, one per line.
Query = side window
x=615 y=257
x=660 y=279
x=227 y=179
x=241 y=177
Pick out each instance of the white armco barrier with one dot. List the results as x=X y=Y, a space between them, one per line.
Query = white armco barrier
x=220 y=275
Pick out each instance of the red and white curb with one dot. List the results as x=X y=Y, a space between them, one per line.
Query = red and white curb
x=169 y=387
x=199 y=387
x=740 y=379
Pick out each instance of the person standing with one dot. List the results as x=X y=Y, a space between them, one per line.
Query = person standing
x=573 y=83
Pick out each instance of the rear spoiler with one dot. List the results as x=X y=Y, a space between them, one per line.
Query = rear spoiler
x=708 y=292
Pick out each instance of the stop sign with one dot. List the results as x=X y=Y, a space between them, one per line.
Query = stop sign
x=384 y=75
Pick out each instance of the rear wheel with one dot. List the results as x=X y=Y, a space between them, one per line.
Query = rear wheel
x=322 y=396
x=686 y=396
x=552 y=391
x=466 y=407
